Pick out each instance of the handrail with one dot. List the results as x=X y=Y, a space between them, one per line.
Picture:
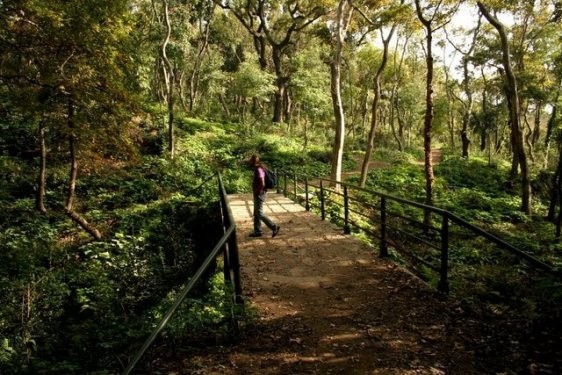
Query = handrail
x=444 y=230
x=459 y=221
x=229 y=234
x=164 y=322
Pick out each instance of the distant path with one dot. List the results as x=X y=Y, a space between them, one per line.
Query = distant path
x=328 y=305
x=436 y=157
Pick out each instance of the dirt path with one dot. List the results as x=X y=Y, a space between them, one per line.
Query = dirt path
x=328 y=305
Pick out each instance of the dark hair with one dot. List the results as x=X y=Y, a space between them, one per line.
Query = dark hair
x=255 y=161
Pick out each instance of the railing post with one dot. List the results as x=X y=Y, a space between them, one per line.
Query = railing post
x=235 y=267
x=346 y=229
x=307 y=202
x=322 y=210
x=383 y=246
x=443 y=284
x=277 y=175
x=285 y=184
x=295 y=186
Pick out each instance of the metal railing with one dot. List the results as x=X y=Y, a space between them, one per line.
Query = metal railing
x=228 y=246
x=398 y=223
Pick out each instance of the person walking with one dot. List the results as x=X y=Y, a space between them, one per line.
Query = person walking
x=259 y=191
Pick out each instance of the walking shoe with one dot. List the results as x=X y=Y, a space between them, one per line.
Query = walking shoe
x=275 y=231
x=255 y=234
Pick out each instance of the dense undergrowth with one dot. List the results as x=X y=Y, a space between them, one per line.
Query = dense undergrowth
x=73 y=305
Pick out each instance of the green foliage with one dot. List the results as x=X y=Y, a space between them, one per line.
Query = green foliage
x=211 y=315
x=252 y=82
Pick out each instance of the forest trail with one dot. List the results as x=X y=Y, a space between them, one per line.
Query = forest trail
x=326 y=304
x=436 y=158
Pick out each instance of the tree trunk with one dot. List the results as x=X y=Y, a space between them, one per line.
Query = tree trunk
x=343 y=20
x=73 y=162
x=552 y=119
x=467 y=110
x=194 y=78
x=528 y=135
x=89 y=228
x=260 y=44
x=281 y=82
x=72 y=178
x=513 y=95
x=168 y=71
x=375 y=107
x=428 y=118
x=40 y=197
x=556 y=186
x=537 y=126
x=398 y=135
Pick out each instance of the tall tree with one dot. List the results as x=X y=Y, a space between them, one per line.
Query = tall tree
x=375 y=105
x=77 y=67
x=468 y=101
x=340 y=27
x=512 y=95
x=276 y=26
x=431 y=23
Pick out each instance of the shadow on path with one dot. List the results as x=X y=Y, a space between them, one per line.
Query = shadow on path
x=327 y=305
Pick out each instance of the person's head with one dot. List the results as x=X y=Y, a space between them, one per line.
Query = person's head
x=254 y=160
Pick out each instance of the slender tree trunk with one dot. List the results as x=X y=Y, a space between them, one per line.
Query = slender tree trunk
x=398 y=135
x=537 y=126
x=343 y=20
x=375 y=107
x=364 y=110
x=486 y=128
x=194 y=78
x=467 y=110
x=528 y=135
x=73 y=161
x=281 y=82
x=260 y=44
x=450 y=108
x=511 y=88
x=428 y=118
x=72 y=179
x=224 y=104
x=181 y=94
x=556 y=186
x=552 y=119
x=168 y=71
x=40 y=197
x=467 y=104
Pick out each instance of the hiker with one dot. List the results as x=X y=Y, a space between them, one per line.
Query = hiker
x=259 y=190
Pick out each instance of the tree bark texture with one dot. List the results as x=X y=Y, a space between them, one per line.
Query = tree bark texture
x=428 y=118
